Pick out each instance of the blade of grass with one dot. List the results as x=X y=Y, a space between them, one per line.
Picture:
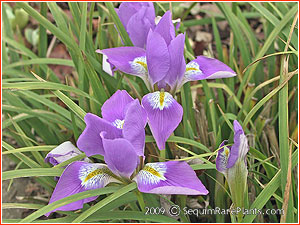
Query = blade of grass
x=68 y=200
x=119 y=25
x=102 y=203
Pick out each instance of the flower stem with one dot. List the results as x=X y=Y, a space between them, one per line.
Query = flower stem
x=162 y=154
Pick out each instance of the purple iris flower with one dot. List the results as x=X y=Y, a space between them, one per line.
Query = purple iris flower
x=163 y=69
x=137 y=18
x=122 y=153
x=122 y=117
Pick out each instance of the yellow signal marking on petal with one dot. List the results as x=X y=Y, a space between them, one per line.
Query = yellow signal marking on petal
x=152 y=171
x=226 y=151
x=94 y=173
x=161 y=98
x=100 y=171
x=190 y=68
x=142 y=64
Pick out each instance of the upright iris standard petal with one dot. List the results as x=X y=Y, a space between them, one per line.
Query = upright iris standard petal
x=120 y=156
x=177 y=62
x=115 y=107
x=126 y=11
x=138 y=27
x=240 y=147
x=206 y=68
x=134 y=126
x=171 y=177
x=137 y=18
x=164 y=115
x=166 y=28
x=90 y=141
x=131 y=60
x=158 y=57
x=62 y=153
x=79 y=177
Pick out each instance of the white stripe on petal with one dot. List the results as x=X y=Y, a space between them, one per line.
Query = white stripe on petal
x=152 y=173
x=160 y=99
x=95 y=176
x=139 y=66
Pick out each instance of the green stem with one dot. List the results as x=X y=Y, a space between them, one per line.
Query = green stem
x=162 y=154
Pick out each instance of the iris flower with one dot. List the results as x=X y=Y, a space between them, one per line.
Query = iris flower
x=122 y=154
x=231 y=161
x=163 y=69
x=122 y=117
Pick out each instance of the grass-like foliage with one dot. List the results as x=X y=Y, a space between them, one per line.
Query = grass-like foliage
x=42 y=110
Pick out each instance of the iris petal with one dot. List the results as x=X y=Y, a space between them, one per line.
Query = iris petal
x=206 y=68
x=79 y=177
x=177 y=62
x=171 y=177
x=158 y=57
x=166 y=28
x=115 y=107
x=134 y=126
x=240 y=147
x=120 y=156
x=123 y=58
x=222 y=157
x=90 y=141
x=62 y=153
x=164 y=115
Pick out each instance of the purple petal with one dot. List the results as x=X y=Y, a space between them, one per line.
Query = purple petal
x=138 y=27
x=164 y=115
x=177 y=62
x=126 y=11
x=207 y=68
x=120 y=156
x=115 y=107
x=166 y=28
x=173 y=177
x=178 y=25
x=90 y=141
x=78 y=177
x=62 y=153
x=134 y=126
x=158 y=58
x=240 y=147
x=131 y=60
x=222 y=157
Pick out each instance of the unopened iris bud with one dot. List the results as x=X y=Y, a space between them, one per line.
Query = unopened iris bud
x=231 y=161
